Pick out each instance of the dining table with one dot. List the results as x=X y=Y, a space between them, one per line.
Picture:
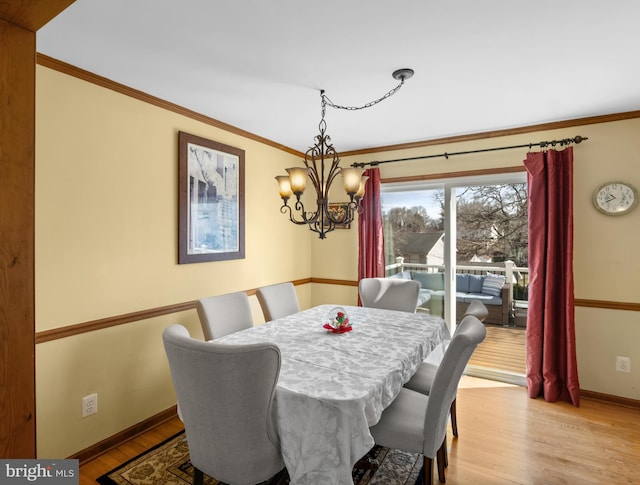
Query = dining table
x=333 y=387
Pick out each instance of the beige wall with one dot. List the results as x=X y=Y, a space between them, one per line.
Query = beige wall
x=106 y=244
x=106 y=200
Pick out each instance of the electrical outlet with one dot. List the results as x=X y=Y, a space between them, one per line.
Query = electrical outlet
x=89 y=405
x=623 y=364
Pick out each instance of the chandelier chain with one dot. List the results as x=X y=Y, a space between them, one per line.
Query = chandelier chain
x=326 y=101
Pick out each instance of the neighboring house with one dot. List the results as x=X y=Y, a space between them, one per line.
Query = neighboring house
x=480 y=258
x=420 y=247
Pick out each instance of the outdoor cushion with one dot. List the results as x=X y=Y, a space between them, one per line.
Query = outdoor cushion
x=433 y=281
x=492 y=284
x=404 y=275
x=462 y=282
x=423 y=297
x=483 y=297
x=475 y=283
x=437 y=295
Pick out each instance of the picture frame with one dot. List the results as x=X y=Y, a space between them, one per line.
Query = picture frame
x=338 y=211
x=210 y=200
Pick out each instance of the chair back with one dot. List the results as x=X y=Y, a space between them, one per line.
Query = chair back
x=477 y=309
x=226 y=393
x=468 y=335
x=221 y=315
x=389 y=293
x=278 y=301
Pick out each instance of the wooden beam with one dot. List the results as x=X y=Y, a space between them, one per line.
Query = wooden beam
x=17 y=178
x=31 y=15
x=18 y=22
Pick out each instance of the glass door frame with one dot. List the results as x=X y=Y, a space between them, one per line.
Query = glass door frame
x=449 y=186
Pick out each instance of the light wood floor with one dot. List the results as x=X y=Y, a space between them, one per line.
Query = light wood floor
x=502 y=349
x=505 y=438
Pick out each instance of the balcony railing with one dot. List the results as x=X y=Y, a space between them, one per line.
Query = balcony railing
x=516 y=276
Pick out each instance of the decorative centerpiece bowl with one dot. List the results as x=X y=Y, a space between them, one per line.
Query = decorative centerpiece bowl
x=338 y=321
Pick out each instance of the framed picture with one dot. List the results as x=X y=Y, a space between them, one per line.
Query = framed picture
x=338 y=211
x=210 y=200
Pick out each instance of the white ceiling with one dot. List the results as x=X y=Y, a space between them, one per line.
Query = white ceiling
x=259 y=65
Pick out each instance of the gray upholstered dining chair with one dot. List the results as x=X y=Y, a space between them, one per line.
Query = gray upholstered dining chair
x=422 y=380
x=477 y=309
x=417 y=423
x=221 y=315
x=226 y=399
x=389 y=294
x=278 y=300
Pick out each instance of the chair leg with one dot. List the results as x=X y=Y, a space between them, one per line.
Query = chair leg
x=427 y=471
x=446 y=453
x=454 y=418
x=367 y=463
x=198 y=476
x=441 y=455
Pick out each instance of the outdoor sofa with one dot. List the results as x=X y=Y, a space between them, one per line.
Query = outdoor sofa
x=489 y=288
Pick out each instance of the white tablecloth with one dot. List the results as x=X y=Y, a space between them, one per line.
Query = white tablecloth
x=332 y=387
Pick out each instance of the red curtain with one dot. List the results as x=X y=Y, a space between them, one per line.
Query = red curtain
x=370 y=234
x=552 y=370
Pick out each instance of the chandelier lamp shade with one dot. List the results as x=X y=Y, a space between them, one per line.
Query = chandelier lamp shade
x=321 y=167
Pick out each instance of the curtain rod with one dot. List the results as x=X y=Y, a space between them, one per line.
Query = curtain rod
x=543 y=144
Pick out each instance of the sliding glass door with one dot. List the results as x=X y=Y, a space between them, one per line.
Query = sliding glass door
x=453 y=233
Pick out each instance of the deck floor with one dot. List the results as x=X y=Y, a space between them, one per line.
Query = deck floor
x=503 y=349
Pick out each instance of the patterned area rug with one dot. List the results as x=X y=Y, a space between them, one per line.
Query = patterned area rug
x=168 y=464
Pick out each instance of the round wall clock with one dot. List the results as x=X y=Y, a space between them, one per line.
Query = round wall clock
x=615 y=198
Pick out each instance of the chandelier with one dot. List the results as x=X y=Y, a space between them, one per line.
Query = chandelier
x=321 y=167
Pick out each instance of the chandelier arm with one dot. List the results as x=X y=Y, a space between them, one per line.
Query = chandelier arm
x=311 y=164
x=351 y=209
x=306 y=217
x=335 y=165
x=315 y=180
x=287 y=208
x=326 y=151
x=321 y=230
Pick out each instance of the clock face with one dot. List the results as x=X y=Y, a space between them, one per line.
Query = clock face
x=615 y=198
